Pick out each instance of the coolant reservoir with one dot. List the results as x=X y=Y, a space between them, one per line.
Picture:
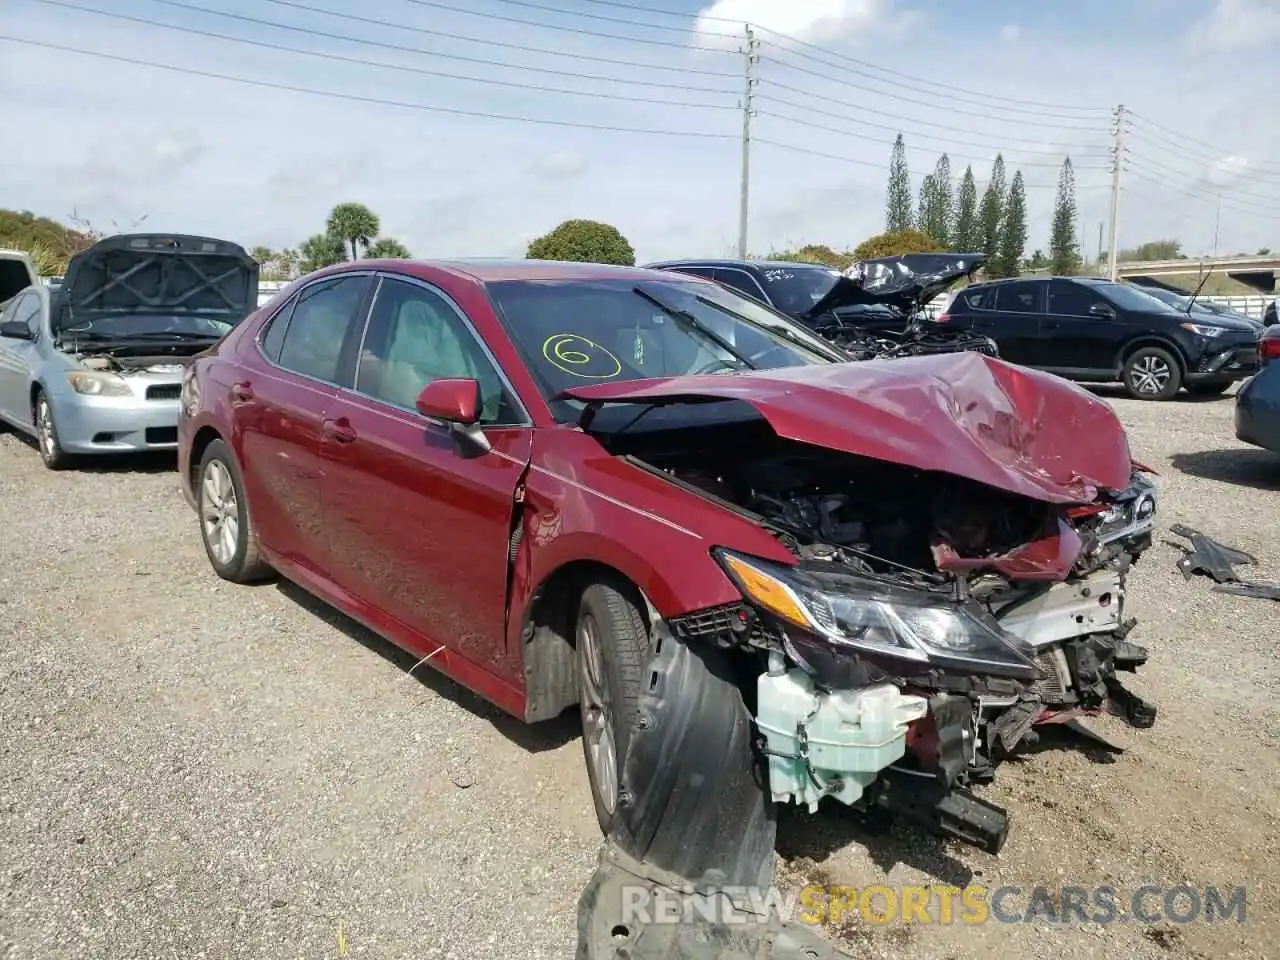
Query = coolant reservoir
x=849 y=735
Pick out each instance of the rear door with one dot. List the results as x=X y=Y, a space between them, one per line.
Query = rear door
x=419 y=526
x=304 y=354
x=1082 y=342
x=1009 y=313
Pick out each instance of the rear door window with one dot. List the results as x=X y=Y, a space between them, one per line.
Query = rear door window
x=322 y=320
x=983 y=298
x=741 y=281
x=1020 y=297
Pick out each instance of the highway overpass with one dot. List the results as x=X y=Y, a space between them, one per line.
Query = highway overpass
x=1257 y=272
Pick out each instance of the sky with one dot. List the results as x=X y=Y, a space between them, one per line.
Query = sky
x=640 y=119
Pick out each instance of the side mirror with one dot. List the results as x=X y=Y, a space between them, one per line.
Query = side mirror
x=1102 y=310
x=453 y=401
x=15 y=330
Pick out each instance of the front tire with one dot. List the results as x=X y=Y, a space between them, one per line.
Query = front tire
x=226 y=529
x=51 y=452
x=1152 y=373
x=613 y=647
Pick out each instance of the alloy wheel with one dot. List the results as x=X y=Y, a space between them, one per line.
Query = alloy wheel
x=597 y=714
x=46 y=433
x=219 y=512
x=1150 y=374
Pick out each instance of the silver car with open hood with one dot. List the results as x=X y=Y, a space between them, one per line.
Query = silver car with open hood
x=95 y=366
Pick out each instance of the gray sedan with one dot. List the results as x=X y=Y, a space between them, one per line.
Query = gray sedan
x=96 y=367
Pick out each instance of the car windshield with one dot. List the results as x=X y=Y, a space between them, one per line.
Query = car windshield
x=122 y=326
x=795 y=288
x=576 y=332
x=1127 y=298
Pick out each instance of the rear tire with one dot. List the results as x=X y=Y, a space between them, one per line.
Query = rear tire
x=51 y=452
x=1207 y=389
x=226 y=528
x=1152 y=373
x=613 y=648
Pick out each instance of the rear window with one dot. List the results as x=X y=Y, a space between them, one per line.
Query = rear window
x=983 y=298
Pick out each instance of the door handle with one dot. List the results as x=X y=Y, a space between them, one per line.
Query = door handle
x=241 y=392
x=339 y=430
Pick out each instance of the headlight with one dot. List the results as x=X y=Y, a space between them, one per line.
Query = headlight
x=99 y=384
x=190 y=392
x=878 y=618
x=1202 y=329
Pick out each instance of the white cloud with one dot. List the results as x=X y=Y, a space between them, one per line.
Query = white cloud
x=720 y=24
x=1010 y=33
x=1238 y=24
x=1227 y=169
x=561 y=165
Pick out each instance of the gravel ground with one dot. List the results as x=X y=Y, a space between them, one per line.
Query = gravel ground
x=192 y=769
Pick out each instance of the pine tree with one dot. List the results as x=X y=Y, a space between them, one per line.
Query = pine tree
x=924 y=209
x=992 y=212
x=935 y=203
x=1064 y=251
x=964 y=231
x=1013 y=231
x=898 y=214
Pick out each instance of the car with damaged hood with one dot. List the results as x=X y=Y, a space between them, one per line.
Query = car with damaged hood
x=761 y=573
x=94 y=365
x=873 y=309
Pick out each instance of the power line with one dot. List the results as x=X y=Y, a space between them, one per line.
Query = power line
x=1182 y=139
x=381 y=44
x=951 y=91
x=1217 y=190
x=882 y=166
x=356 y=98
x=1208 y=198
x=986 y=115
x=861 y=108
x=627 y=98
x=1263 y=177
x=435 y=4
x=603 y=18
x=962 y=156
x=524 y=48
x=898 y=128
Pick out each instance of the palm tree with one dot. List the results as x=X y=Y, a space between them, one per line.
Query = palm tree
x=389 y=248
x=353 y=223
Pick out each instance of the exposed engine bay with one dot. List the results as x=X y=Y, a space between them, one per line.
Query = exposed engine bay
x=115 y=362
x=931 y=627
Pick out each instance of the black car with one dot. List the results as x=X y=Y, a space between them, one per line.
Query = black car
x=1095 y=331
x=1258 y=401
x=873 y=309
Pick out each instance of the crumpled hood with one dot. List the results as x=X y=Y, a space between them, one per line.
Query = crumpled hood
x=905 y=283
x=966 y=414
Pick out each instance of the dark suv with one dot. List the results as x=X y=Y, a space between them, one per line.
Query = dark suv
x=1096 y=331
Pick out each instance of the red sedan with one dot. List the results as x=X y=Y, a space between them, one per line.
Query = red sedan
x=762 y=573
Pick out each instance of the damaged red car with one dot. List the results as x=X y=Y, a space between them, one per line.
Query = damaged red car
x=762 y=574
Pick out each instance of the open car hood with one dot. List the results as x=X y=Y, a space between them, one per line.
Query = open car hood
x=905 y=282
x=159 y=274
x=1019 y=430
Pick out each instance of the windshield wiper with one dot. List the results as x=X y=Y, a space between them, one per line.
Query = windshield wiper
x=689 y=321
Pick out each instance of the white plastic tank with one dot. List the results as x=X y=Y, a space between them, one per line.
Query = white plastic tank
x=849 y=735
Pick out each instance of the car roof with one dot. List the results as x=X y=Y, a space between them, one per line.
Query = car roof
x=493 y=270
x=722 y=262
x=1003 y=280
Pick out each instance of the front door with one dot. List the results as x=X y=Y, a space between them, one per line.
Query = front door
x=17 y=358
x=280 y=398
x=419 y=524
x=1084 y=328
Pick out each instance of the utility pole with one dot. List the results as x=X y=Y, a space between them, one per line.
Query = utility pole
x=1098 y=260
x=752 y=53
x=1217 y=222
x=1117 y=158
